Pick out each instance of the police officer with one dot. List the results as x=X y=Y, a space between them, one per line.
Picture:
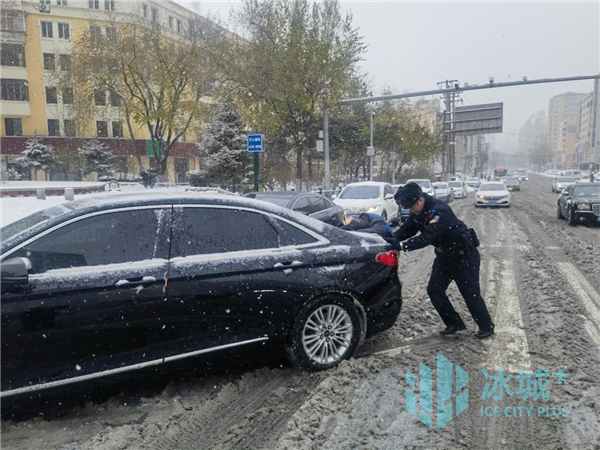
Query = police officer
x=457 y=257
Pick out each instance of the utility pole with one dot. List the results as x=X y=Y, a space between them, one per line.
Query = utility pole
x=448 y=156
x=326 y=146
x=371 y=148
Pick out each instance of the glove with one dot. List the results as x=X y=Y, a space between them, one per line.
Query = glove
x=393 y=241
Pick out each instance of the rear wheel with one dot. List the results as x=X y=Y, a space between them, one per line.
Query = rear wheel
x=325 y=332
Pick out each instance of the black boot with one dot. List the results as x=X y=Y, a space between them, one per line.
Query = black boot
x=483 y=334
x=451 y=329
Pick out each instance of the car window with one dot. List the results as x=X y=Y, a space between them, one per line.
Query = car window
x=203 y=231
x=294 y=235
x=109 y=238
x=303 y=205
x=455 y=184
x=318 y=204
x=389 y=189
x=360 y=192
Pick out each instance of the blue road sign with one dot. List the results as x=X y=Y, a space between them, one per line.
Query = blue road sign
x=255 y=143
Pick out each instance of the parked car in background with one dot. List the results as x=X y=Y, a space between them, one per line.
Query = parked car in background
x=370 y=197
x=425 y=185
x=512 y=183
x=82 y=304
x=561 y=182
x=308 y=203
x=580 y=203
x=522 y=175
x=443 y=192
x=459 y=189
x=492 y=193
x=473 y=182
x=397 y=187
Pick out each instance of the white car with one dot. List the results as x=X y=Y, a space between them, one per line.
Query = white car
x=459 y=188
x=492 y=193
x=443 y=192
x=559 y=184
x=473 y=182
x=426 y=185
x=370 y=197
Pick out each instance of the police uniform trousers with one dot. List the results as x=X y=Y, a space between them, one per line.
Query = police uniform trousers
x=464 y=270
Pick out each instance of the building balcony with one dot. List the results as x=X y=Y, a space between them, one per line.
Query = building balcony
x=13 y=72
x=12 y=108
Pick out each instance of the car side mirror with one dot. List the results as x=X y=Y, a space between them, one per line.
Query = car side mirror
x=333 y=197
x=14 y=272
x=389 y=197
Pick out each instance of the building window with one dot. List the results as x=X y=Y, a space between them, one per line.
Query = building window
x=12 y=20
x=179 y=26
x=47 y=30
x=61 y=2
x=117 y=129
x=65 y=63
x=171 y=22
x=12 y=55
x=64 y=31
x=101 y=128
x=111 y=33
x=51 y=95
x=154 y=15
x=15 y=90
x=67 y=95
x=95 y=32
x=49 y=61
x=94 y=4
x=145 y=10
x=115 y=98
x=13 y=127
x=99 y=97
x=109 y=5
x=70 y=128
x=53 y=127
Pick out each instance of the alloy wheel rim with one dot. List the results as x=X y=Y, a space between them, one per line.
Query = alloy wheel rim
x=327 y=334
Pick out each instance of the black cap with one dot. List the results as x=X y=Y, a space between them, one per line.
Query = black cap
x=408 y=195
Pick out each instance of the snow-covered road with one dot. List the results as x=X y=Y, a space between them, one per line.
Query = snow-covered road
x=541 y=280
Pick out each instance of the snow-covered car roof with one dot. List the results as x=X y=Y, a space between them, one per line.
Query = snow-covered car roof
x=367 y=183
x=39 y=221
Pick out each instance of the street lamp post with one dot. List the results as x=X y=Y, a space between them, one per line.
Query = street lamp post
x=371 y=149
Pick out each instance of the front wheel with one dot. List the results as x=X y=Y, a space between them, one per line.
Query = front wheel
x=325 y=332
x=559 y=215
x=571 y=218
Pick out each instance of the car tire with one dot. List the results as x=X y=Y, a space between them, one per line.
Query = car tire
x=384 y=215
x=309 y=329
x=571 y=217
x=559 y=215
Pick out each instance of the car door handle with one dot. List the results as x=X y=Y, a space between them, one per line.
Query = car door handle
x=287 y=265
x=134 y=282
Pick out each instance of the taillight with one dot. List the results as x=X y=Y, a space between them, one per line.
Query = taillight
x=388 y=258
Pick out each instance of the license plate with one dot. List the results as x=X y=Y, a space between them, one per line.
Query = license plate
x=492 y=202
x=405 y=211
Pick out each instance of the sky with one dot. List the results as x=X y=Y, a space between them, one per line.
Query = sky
x=414 y=45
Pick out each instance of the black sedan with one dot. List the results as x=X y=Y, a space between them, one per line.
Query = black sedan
x=580 y=203
x=110 y=285
x=307 y=203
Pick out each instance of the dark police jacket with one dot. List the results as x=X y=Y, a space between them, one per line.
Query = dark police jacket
x=438 y=226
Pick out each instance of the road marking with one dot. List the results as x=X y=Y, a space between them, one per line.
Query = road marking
x=509 y=347
x=587 y=294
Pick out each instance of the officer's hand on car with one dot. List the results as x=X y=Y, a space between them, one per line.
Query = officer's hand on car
x=393 y=241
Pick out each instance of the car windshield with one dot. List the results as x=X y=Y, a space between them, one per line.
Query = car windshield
x=423 y=183
x=455 y=184
x=359 y=192
x=472 y=180
x=566 y=180
x=276 y=200
x=586 y=191
x=440 y=185
x=492 y=187
x=34 y=219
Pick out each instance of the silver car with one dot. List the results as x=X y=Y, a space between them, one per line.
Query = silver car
x=443 y=192
x=459 y=188
x=561 y=183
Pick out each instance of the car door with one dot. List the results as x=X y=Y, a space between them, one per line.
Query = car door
x=563 y=200
x=231 y=273
x=93 y=303
x=322 y=209
x=302 y=205
x=391 y=205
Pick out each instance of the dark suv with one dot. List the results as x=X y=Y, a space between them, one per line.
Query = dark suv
x=107 y=285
